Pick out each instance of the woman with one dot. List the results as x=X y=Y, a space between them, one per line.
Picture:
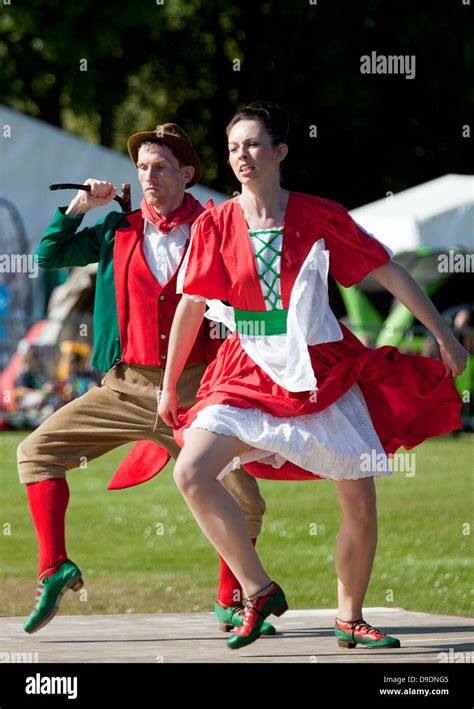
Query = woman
x=293 y=393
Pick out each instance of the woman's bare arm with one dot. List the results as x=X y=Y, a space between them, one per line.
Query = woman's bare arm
x=398 y=281
x=186 y=323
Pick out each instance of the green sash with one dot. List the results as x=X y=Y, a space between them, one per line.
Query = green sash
x=260 y=322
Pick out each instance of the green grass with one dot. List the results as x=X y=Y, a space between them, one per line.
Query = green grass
x=423 y=562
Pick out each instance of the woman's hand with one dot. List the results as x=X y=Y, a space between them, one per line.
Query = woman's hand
x=454 y=356
x=168 y=407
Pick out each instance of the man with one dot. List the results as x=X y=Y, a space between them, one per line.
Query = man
x=138 y=257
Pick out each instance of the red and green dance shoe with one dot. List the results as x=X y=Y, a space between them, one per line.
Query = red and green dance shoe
x=230 y=617
x=358 y=632
x=255 y=612
x=49 y=591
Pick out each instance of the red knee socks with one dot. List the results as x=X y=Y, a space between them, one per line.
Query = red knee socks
x=48 y=500
x=229 y=591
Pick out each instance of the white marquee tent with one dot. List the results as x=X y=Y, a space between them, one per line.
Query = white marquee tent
x=438 y=214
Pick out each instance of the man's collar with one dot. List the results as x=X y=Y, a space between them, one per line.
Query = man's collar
x=180 y=227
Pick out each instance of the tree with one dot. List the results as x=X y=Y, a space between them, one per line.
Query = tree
x=353 y=136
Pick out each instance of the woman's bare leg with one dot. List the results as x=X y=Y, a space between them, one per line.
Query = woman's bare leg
x=202 y=458
x=356 y=544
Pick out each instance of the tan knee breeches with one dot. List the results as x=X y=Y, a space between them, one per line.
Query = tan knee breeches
x=123 y=409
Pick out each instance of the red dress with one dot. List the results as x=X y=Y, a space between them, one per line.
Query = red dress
x=409 y=398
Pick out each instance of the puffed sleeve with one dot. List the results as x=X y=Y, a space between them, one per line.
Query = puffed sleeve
x=353 y=252
x=203 y=272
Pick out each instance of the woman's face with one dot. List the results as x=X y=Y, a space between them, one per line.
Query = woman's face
x=251 y=153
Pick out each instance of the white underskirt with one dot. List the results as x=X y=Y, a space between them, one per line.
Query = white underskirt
x=336 y=443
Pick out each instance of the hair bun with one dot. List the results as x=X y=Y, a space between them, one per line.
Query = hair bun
x=276 y=118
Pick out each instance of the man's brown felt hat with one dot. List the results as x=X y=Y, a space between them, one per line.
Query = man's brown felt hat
x=174 y=136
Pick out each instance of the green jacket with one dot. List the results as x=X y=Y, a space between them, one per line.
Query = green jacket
x=62 y=246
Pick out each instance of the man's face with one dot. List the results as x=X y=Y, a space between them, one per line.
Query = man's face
x=161 y=176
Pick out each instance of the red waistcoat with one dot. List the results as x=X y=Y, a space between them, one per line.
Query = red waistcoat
x=145 y=309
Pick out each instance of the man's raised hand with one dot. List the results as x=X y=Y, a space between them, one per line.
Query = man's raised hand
x=101 y=193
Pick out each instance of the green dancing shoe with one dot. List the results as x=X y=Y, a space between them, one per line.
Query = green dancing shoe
x=256 y=610
x=49 y=591
x=359 y=632
x=232 y=616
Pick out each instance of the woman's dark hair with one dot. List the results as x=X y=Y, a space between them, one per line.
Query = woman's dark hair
x=270 y=115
